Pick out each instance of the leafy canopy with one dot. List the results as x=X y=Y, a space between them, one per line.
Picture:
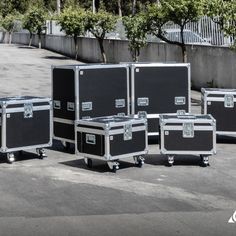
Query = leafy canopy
x=34 y=20
x=72 y=21
x=136 y=30
x=100 y=23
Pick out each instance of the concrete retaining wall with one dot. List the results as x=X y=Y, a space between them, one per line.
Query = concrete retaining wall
x=209 y=65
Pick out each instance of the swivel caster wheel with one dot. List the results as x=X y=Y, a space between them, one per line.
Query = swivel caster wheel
x=171 y=160
x=10 y=157
x=88 y=162
x=66 y=145
x=139 y=161
x=204 y=161
x=115 y=168
x=41 y=153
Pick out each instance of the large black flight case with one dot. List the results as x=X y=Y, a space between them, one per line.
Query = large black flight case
x=111 y=138
x=26 y=123
x=85 y=91
x=189 y=135
x=221 y=104
x=158 y=88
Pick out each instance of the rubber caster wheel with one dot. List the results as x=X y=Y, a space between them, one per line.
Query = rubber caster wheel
x=170 y=161
x=204 y=161
x=41 y=153
x=115 y=168
x=10 y=158
x=66 y=145
x=140 y=164
x=89 y=163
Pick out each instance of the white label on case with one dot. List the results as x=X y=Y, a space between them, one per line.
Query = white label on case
x=8 y=115
x=137 y=70
x=81 y=72
x=111 y=137
x=208 y=103
x=166 y=132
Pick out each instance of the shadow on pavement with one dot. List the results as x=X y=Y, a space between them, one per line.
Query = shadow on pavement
x=98 y=166
x=180 y=160
x=226 y=139
x=26 y=47
x=57 y=58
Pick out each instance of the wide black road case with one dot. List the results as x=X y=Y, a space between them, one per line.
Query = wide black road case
x=112 y=138
x=86 y=91
x=158 y=88
x=188 y=134
x=26 y=122
x=221 y=104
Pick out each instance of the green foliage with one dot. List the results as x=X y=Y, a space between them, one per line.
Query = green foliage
x=10 y=6
x=34 y=20
x=9 y=22
x=136 y=30
x=72 y=21
x=100 y=23
x=223 y=13
x=179 y=12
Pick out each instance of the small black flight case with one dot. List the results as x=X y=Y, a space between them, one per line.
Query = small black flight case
x=26 y=122
x=158 y=88
x=111 y=138
x=86 y=91
x=221 y=104
x=187 y=135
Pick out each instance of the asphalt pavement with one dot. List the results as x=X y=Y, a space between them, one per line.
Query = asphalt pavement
x=59 y=195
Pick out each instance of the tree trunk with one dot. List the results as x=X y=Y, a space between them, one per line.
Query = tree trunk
x=58 y=7
x=184 y=53
x=119 y=8
x=104 y=58
x=10 y=37
x=134 y=4
x=76 y=46
x=40 y=41
x=30 y=41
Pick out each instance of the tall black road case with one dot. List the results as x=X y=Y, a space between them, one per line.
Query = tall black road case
x=221 y=104
x=112 y=138
x=188 y=134
x=86 y=91
x=158 y=88
x=26 y=123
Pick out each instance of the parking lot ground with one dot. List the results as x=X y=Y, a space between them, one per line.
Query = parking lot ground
x=61 y=196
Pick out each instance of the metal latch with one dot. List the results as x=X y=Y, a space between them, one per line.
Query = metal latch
x=188 y=130
x=142 y=102
x=70 y=106
x=127 y=132
x=142 y=114
x=90 y=139
x=121 y=114
x=181 y=112
x=57 y=104
x=229 y=100
x=120 y=103
x=180 y=100
x=87 y=106
x=28 y=110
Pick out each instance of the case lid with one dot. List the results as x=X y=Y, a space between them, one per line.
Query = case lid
x=183 y=118
x=217 y=91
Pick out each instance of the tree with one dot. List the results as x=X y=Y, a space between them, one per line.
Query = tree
x=179 y=12
x=136 y=30
x=35 y=22
x=223 y=13
x=9 y=23
x=99 y=24
x=73 y=21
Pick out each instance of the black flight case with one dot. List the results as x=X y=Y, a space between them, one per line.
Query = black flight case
x=26 y=123
x=188 y=135
x=112 y=138
x=86 y=91
x=158 y=88
x=221 y=104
